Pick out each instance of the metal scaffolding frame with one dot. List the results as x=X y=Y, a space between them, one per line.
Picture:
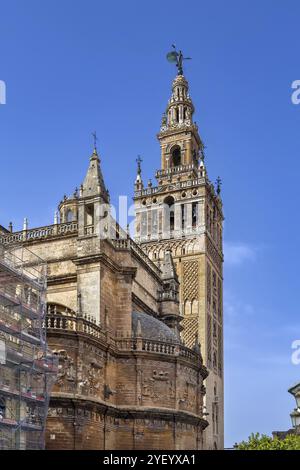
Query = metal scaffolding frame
x=27 y=368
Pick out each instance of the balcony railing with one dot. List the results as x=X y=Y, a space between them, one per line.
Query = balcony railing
x=175 y=170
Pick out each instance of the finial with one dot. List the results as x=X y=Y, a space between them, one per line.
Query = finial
x=177 y=57
x=55 y=218
x=139 y=161
x=25 y=223
x=94 y=134
x=149 y=183
x=10 y=227
x=218 y=185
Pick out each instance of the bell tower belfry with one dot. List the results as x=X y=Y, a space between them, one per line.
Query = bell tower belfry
x=179 y=148
x=183 y=215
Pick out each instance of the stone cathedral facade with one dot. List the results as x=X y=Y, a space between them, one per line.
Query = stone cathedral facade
x=183 y=214
x=137 y=325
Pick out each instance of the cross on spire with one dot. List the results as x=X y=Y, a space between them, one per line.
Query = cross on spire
x=139 y=161
x=94 y=134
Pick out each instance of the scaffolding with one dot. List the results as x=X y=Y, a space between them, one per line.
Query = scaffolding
x=27 y=367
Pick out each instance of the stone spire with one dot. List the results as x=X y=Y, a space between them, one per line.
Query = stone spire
x=138 y=181
x=167 y=268
x=93 y=184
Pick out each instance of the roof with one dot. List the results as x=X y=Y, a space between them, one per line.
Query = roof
x=152 y=328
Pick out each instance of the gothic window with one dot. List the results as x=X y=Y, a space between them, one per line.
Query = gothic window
x=176 y=156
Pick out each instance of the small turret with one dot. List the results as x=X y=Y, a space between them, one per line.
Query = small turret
x=138 y=186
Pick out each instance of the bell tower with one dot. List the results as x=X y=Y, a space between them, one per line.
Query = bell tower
x=183 y=215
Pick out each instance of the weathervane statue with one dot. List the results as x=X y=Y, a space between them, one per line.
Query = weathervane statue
x=178 y=58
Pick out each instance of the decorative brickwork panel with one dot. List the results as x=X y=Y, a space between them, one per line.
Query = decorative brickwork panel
x=208 y=289
x=220 y=300
x=220 y=352
x=190 y=326
x=209 y=345
x=190 y=280
x=214 y=255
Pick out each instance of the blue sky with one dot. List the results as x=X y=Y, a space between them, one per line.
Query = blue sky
x=73 y=67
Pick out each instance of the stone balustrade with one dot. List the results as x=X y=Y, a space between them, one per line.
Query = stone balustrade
x=176 y=169
x=124 y=344
x=75 y=323
x=39 y=233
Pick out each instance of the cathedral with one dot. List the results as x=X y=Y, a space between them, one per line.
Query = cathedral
x=136 y=323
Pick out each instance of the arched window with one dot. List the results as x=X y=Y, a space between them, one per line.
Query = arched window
x=176 y=156
x=69 y=216
x=169 y=212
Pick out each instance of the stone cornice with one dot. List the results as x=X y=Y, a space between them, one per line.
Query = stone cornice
x=62 y=399
x=103 y=258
